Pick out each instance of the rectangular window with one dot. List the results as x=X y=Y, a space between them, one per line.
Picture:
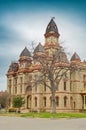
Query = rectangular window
x=64 y=85
x=21 y=84
x=21 y=89
x=84 y=77
x=84 y=82
x=10 y=89
x=70 y=86
x=10 y=82
x=65 y=101
x=57 y=101
x=44 y=101
x=85 y=99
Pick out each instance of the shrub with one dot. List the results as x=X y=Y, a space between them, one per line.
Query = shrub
x=12 y=109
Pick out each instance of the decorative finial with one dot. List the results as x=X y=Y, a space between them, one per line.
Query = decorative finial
x=52 y=17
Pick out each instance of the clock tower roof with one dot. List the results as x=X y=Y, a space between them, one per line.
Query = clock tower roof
x=52 y=27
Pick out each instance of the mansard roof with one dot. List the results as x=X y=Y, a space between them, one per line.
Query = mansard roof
x=75 y=57
x=13 y=67
x=52 y=27
x=39 y=48
x=25 y=52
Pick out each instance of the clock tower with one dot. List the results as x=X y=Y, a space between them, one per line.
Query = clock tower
x=52 y=35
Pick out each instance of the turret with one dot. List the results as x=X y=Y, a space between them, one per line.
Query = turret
x=25 y=58
x=39 y=53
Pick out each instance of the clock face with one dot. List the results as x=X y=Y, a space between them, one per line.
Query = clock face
x=55 y=39
x=48 y=40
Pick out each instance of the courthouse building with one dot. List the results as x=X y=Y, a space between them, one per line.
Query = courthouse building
x=71 y=93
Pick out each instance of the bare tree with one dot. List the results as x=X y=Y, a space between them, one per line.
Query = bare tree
x=53 y=68
x=4 y=98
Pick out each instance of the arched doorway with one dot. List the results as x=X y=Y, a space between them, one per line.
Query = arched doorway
x=28 y=102
x=71 y=102
x=28 y=98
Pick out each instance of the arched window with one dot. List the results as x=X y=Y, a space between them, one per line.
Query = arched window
x=10 y=83
x=64 y=85
x=15 y=82
x=57 y=101
x=50 y=101
x=74 y=104
x=65 y=101
x=35 y=101
x=71 y=102
x=70 y=86
x=15 y=85
x=28 y=88
x=21 y=89
x=21 y=81
x=44 y=101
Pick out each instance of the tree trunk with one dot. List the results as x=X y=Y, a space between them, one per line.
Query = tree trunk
x=19 y=110
x=53 y=101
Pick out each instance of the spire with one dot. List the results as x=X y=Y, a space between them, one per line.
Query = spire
x=25 y=52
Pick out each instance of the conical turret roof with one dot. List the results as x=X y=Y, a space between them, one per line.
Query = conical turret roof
x=39 y=48
x=25 y=52
x=51 y=27
x=75 y=57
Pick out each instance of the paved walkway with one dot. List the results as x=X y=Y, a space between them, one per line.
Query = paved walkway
x=19 y=123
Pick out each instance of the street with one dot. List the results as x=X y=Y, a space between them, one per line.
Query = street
x=19 y=123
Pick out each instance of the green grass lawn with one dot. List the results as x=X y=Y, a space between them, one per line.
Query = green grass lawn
x=57 y=115
x=45 y=115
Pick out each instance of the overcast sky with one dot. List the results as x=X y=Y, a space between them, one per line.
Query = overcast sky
x=24 y=21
